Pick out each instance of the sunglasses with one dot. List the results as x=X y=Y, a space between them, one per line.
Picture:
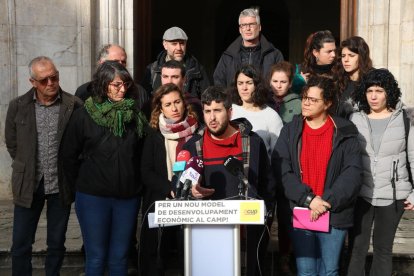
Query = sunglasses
x=45 y=81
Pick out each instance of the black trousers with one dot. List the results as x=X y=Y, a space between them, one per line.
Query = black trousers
x=385 y=220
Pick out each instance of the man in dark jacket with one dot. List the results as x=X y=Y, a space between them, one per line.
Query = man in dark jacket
x=250 y=47
x=175 y=45
x=220 y=139
x=35 y=123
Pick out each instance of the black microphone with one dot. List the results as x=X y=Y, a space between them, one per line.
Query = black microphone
x=235 y=167
x=178 y=169
x=191 y=175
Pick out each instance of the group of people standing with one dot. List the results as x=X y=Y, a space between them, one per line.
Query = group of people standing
x=330 y=134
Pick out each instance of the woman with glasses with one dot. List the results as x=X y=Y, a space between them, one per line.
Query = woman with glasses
x=249 y=98
x=387 y=143
x=101 y=160
x=317 y=159
x=172 y=123
x=351 y=67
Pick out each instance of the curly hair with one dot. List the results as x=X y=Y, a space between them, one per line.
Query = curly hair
x=104 y=75
x=382 y=78
x=156 y=103
x=327 y=85
x=260 y=94
x=315 y=41
x=358 y=46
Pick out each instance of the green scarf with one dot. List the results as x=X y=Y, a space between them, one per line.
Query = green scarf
x=114 y=115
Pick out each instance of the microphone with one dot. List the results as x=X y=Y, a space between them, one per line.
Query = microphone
x=191 y=175
x=178 y=169
x=235 y=167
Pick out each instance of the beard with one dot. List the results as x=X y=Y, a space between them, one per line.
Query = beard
x=220 y=131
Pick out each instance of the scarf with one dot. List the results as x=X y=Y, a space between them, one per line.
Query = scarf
x=115 y=115
x=176 y=134
x=175 y=131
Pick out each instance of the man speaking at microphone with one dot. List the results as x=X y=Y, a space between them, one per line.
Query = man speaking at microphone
x=219 y=139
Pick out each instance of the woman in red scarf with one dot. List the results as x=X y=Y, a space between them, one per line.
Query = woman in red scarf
x=172 y=123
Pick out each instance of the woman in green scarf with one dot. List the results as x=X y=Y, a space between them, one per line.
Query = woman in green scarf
x=101 y=160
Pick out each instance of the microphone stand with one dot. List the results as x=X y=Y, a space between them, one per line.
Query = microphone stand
x=242 y=187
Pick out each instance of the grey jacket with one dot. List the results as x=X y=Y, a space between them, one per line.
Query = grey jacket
x=21 y=142
x=378 y=169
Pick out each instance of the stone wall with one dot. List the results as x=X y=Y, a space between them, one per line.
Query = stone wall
x=388 y=28
x=68 y=31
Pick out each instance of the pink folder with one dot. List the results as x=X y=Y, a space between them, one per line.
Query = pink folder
x=301 y=219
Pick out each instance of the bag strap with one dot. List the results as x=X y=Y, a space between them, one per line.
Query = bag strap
x=407 y=132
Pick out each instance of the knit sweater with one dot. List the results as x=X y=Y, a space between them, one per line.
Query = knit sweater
x=315 y=154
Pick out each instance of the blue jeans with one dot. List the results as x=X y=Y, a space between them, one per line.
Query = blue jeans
x=107 y=225
x=318 y=253
x=24 y=230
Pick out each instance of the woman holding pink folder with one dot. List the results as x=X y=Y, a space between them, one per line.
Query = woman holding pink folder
x=317 y=159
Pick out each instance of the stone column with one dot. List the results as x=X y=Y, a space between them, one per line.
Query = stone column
x=114 y=24
x=388 y=28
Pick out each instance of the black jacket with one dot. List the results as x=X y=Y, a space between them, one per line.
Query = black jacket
x=230 y=61
x=154 y=170
x=262 y=183
x=343 y=176
x=196 y=77
x=97 y=162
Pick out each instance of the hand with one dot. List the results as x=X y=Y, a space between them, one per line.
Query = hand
x=200 y=192
x=305 y=76
x=314 y=216
x=408 y=205
x=319 y=206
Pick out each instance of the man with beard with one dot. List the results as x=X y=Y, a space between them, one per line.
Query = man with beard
x=175 y=48
x=214 y=144
x=250 y=47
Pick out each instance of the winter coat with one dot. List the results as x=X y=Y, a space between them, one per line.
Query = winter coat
x=259 y=175
x=196 y=77
x=230 y=61
x=343 y=174
x=21 y=142
x=389 y=162
x=97 y=162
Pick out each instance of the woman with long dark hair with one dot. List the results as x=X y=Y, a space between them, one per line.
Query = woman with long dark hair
x=172 y=123
x=353 y=64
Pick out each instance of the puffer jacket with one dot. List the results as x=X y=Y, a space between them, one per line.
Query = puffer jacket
x=391 y=159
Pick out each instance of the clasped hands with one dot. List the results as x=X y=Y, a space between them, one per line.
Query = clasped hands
x=318 y=207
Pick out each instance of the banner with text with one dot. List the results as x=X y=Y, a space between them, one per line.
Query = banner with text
x=209 y=212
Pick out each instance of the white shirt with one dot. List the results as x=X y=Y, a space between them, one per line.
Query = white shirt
x=266 y=123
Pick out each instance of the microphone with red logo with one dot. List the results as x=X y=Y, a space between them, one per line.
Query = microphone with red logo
x=191 y=175
x=178 y=169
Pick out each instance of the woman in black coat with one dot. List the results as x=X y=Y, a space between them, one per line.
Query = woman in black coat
x=172 y=124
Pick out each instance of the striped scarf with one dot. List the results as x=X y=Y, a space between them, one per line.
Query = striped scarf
x=175 y=131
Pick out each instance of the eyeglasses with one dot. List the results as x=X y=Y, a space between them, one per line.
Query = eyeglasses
x=311 y=100
x=52 y=78
x=118 y=85
x=250 y=25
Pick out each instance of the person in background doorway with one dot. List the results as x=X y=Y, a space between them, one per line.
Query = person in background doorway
x=251 y=47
